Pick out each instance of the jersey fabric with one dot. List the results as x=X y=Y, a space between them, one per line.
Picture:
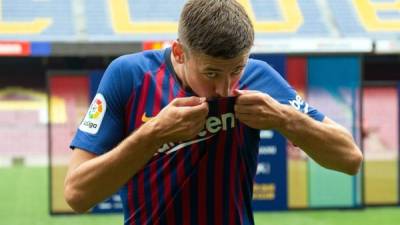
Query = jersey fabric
x=208 y=180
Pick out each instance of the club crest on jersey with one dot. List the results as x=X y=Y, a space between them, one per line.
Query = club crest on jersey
x=212 y=126
x=92 y=121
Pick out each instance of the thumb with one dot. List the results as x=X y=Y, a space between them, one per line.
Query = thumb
x=238 y=92
x=188 y=101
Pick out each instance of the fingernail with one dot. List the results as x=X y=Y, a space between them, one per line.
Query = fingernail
x=202 y=99
x=238 y=91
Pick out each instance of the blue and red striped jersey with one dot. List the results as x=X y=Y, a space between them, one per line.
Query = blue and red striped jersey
x=207 y=180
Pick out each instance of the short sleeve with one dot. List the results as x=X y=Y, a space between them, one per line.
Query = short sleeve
x=262 y=77
x=103 y=126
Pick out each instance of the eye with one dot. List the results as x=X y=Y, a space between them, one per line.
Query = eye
x=237 y=72
x=211 y=74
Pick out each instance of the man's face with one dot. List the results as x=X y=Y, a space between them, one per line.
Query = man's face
x=212 y=77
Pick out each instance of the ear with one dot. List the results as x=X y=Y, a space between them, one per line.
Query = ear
x=178 y=52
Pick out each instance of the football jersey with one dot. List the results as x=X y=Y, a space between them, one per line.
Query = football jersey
x=207 y=180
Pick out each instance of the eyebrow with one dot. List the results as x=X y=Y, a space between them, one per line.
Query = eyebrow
x=212 y=69
x=241 y=66
x=209 y=68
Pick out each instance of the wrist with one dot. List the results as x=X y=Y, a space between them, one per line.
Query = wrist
x=287 y=116
x=149 y=133
x=294 y=120
x=153 y=130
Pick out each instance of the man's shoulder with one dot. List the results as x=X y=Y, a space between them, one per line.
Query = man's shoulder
x=259 y=65
x=141 y=59
x=136 y=65
x=259 y=75
x=256 y=69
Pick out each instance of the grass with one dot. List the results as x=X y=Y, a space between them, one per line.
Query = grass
x=24 y=201
x=371 y=216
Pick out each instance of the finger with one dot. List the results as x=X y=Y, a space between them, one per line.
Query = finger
x=248 y=120
x=194 y=127
x=237 y=92
x=188 y=101
x=249 y=99
x=244 y=120
x=201 y=109
x=247 y=109
x=245 y=116
x=198 y=110
x=242 y=92
x=199 y=126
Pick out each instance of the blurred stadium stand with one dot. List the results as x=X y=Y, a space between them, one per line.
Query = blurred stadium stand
x=66 y=23
x=38 y=20
x=23 y=119
x=346 y=19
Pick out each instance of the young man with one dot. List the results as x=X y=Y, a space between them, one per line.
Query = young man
x=151 y=134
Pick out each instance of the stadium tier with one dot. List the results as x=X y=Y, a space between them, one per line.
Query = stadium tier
x=128 y=20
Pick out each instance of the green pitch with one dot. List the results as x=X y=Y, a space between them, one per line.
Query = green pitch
x=24 y=201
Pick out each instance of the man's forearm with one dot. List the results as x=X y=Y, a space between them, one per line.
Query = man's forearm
x=96 y=179
x=327 y=143
x=92 y=178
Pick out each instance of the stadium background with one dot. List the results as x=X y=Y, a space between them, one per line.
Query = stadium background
x=341 y=55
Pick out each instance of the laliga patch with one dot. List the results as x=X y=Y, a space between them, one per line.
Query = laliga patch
x=95 y=115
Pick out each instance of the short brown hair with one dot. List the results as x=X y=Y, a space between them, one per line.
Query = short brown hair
x=217 y=28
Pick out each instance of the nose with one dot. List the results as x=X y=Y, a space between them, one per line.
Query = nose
x=222 y=87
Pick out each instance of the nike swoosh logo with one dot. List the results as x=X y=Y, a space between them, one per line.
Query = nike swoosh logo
x=182 y=145
x=145 y=118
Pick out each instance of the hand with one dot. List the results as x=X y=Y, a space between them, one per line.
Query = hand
x=181 y=120
x=258 y=110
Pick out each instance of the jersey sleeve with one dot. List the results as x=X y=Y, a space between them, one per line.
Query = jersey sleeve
x=262 y=77
x=103 y=126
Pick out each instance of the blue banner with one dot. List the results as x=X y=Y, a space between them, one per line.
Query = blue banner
x=270 y=185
